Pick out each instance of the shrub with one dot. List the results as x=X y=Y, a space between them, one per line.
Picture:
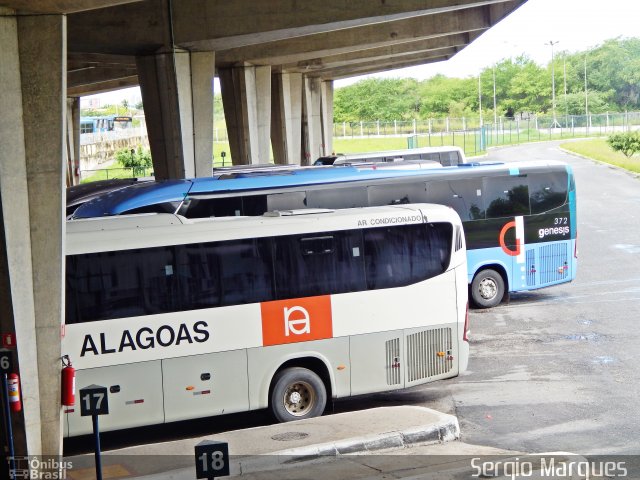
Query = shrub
x=137 y=159
x=627 y=142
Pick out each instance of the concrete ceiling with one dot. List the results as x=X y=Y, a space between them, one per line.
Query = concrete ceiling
x=327 y=38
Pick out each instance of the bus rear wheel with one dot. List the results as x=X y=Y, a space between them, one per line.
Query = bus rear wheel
x=487 y=289
x=297 y=393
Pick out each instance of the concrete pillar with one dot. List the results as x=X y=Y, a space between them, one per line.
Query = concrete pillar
x=312 y=121
x=286 y=117
x=246 y=97
x=327 y=116
x=32 y=165
x=203 y=71
x=177 y=93
x=73 y=141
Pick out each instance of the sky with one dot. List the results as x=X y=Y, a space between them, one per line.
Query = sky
x=575 y=24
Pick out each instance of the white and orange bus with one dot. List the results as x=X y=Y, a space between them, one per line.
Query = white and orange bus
x=185 y=318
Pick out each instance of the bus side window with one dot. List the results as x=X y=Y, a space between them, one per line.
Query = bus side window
x=286 y=201
x=321 y=264
x=464 y=196
x=245 y=271
x=506 y=196
x=337 y=198
x=121 y=284
x=394 y=256
x=396 y=194
x=547 y=191
x=445 y=161
x=199 y=275
x=213 y=207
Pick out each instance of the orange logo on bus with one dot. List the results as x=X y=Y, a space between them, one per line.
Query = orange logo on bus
x=296 y=320
x=508 y=226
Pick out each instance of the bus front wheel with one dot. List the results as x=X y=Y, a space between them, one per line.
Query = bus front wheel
x=487 y=289
x=297 y=393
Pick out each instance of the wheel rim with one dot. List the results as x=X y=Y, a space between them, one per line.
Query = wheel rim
x=299 y=398
x=488 y=288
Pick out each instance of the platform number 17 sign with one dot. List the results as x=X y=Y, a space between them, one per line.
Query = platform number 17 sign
x=212 y=459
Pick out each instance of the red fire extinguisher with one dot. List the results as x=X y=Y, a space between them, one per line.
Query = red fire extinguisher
x=68 y=382
x=13 y=382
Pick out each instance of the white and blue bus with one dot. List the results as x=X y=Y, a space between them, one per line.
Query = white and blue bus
x=519 y=218
x=185 y=318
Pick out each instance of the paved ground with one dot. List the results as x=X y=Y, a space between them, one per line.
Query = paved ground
x=555 y=370
x=379 y=443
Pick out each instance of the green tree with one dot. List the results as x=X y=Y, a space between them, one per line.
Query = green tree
x=136 y=159
x=377 y=99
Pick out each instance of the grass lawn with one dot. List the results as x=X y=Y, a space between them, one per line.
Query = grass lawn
x=598 y=149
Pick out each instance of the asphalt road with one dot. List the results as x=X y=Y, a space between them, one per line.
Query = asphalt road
x=558 y=369
x=555 y=369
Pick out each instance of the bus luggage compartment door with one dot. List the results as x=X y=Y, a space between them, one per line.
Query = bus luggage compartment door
x=205 y=385
x=376 y=362
x=547 y=264
x=135 y=396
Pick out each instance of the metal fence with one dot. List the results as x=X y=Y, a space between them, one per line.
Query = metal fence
x=578 y=125
x=473 y=135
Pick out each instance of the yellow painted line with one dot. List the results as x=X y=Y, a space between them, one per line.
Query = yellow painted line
x=109 y=471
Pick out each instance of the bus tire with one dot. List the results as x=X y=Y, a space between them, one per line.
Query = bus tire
x=297 y=393
x=487 y=289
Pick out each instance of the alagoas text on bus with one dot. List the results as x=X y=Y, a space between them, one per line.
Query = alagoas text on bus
x=145 y=337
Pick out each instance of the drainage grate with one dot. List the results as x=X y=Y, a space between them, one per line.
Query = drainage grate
x=289 y=436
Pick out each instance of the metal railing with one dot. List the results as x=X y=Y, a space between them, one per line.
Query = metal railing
x=470 y=134
x=592 y=124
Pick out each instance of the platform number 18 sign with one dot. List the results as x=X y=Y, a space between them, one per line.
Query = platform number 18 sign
x=212 y=459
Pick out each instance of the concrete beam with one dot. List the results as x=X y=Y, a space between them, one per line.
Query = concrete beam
x=386 y=63
x=423 y=47
x=61 y=6
x=375 y=67
x=215 y=25
x=95 y=75
x=221 y=25
x=104 y=86
x=78 y=61
x=357 y=39
x=140 y=28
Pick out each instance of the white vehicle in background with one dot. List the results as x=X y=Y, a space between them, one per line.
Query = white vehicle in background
x=446 y=156
x=185 y=318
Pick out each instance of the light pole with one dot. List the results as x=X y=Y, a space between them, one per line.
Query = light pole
x=566 y=105
x=480 y=98
x=553 y=84
x=495 y=111
x=586 y=97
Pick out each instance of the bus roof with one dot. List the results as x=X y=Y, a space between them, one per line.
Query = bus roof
x=175 y=191
x=157 y=229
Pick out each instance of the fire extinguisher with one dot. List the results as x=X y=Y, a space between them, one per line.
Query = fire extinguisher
x=13 y=382
x=68 y=382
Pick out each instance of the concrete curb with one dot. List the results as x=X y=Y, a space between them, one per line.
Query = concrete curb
x=445 y=429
